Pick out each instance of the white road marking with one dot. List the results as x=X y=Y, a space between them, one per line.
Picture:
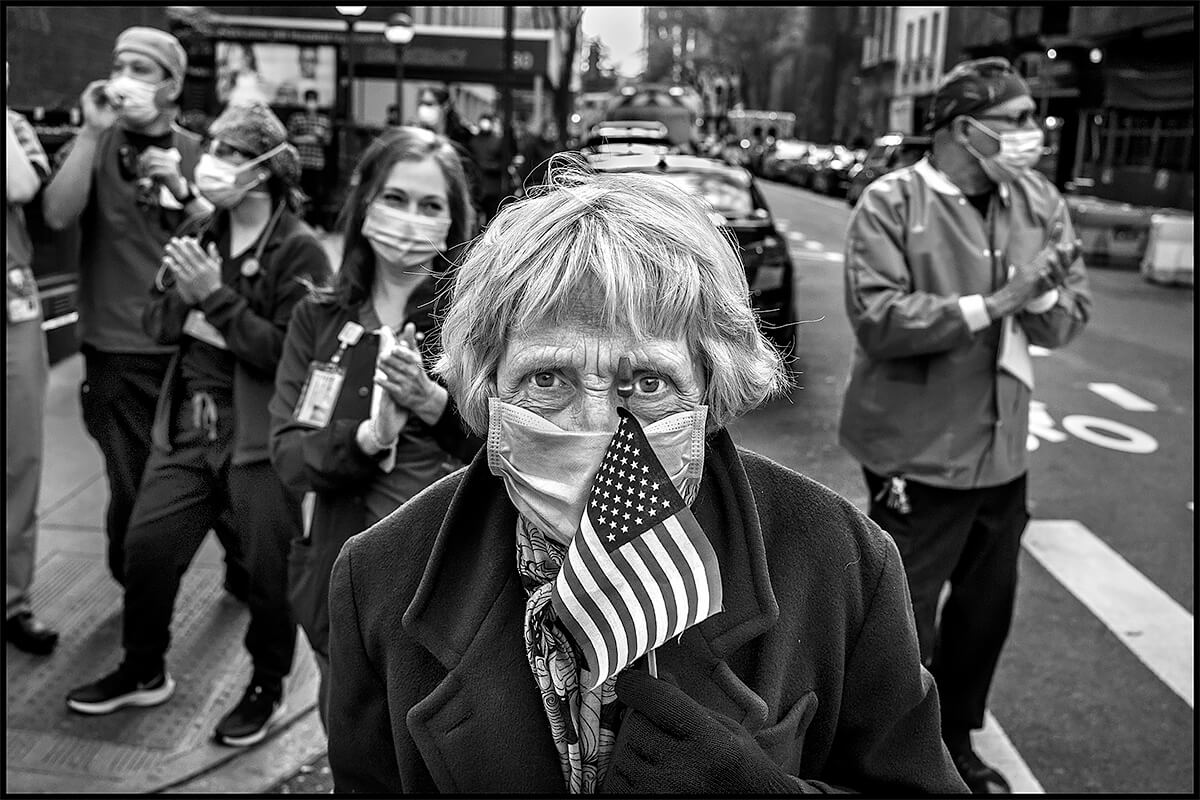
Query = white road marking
x=1122 y=397
x=817 y=255
x=838 y=257
x=993 y=746
x=797 y=235
x=1144 y=617
x=1109 y=433
x=811 y=245
x=1037 y=351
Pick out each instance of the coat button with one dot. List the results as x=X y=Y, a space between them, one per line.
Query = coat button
x=363 y=391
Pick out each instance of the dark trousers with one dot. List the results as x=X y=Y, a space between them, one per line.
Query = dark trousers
x=182 y=495
x=118 y=397
x=971 y=538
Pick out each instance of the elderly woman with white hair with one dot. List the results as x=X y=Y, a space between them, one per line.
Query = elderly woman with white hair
x=596 y=307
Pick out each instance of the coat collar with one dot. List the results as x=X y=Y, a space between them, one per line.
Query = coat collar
x=469 y=609
x=937 y=180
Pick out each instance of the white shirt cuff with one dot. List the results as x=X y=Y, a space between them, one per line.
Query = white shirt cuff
x=1043 y=303
x=974 y=312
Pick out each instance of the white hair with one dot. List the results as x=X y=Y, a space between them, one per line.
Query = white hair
x=634 y=252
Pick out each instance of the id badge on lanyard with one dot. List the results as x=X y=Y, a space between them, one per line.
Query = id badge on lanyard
x=323 y=385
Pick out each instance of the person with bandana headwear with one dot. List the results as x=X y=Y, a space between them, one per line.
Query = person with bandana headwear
x=224 y=294
x=384 y=435
x=125 y=178
x=954 y=266
x=590 y=308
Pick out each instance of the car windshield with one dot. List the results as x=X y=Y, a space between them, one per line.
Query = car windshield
x=726 y=196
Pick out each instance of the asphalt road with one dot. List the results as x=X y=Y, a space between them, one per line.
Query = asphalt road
x=1094 y=692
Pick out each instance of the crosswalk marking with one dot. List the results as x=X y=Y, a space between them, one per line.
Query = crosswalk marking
x=1146 y=620
x=811 y=245
x=1122 y=397
x=994 y=747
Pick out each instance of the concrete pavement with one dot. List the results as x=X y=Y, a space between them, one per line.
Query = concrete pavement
x=168 y=748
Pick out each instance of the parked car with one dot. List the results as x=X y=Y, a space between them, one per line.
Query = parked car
x=809 y=165
x=833 y=176
x=738 y=205
x=782 y=157
x=628 y=136
x=888 y=153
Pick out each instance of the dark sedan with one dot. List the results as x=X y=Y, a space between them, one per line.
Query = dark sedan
x=737 y=204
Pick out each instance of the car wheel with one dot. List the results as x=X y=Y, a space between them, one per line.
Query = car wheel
x=820 y=184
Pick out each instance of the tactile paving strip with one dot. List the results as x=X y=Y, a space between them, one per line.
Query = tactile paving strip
x=50 y=748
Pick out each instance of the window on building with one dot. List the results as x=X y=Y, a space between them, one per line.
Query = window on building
x=908 y=53
x=889 y=31
x=921 y=38
x=933 y=42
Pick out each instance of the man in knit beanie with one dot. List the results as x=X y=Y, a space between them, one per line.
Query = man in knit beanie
x=129 y=172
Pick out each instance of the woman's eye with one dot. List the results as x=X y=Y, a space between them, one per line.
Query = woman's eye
x=544 y=380
x=649 y=384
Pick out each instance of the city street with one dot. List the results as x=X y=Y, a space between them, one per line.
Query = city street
x=1095 y=690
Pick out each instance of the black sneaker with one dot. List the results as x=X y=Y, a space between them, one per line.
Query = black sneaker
x=979 y=777
x=119 y=689
x=250 y=719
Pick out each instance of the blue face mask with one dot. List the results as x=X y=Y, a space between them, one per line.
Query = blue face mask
x=548 y=471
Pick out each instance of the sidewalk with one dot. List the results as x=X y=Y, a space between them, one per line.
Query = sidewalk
x=168 y=748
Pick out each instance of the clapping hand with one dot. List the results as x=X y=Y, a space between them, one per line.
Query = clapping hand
x=197 y=273
x=1045 y=271
x=403 y=378
x=163 y=167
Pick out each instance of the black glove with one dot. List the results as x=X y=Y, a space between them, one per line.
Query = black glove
x=1048 y=270
x=669 y=743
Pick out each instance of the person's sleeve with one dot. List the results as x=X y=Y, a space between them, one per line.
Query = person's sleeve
x=257 y=340
x=889 y=317
x=1071 y=310
x=164 y=315
x=28 y=139
x=361 y=750
x=889 y=739
x=452 y=435
x=312 y=459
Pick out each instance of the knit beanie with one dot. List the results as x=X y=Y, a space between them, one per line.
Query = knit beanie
x=254 y=129
x=974 y=86
x=157 y=44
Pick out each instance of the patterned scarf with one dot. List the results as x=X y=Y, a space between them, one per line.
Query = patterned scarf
x=583 y=724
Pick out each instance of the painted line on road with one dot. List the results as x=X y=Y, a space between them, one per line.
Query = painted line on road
x=797 y=235
x=1038 y=351
x=818 y=255
x=1122 y=397
x=813 y=197
x=994 y=747
x=811 y=245
x=1144 y=617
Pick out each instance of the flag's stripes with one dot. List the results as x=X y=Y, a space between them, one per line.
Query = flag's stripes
x=628 y=562
x=674 y=581
x=581 y=590
x=698 y=544
x=598 y=565
x=641 y=546
x=683 y=568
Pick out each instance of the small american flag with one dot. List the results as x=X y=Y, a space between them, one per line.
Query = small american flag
x=640 y=570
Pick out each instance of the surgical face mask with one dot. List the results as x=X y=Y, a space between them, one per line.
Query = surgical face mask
x=135 y=101
x=222 y=183
x=401 y=239
x=429 y=115
x=548 y=471
x=1019 y=151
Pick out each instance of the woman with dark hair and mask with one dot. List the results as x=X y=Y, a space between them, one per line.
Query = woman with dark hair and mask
x=356 y=417
x=224 y=293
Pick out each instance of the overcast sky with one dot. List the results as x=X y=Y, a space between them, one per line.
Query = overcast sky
x=620 y=27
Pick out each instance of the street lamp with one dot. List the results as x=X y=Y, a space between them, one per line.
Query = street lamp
x=350 y=13
x=399 y=32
